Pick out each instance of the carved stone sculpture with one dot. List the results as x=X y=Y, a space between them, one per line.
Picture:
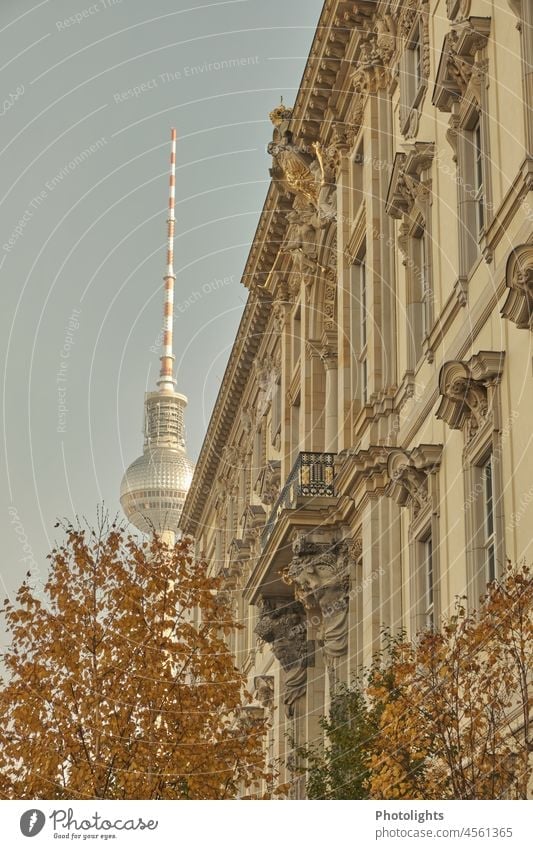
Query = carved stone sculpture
x=518 y=307
x=282 y=624
x=464 y=390
x=264 y=690
x=320 y=574
x=309 y=176
x=408 y=473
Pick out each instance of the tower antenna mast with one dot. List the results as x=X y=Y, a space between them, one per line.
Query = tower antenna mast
x=166 y=373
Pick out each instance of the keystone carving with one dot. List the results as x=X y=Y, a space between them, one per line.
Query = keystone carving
x=264 y=690
x=282 y=625
x=518 y=307
x=408 y=473
x=464 y=387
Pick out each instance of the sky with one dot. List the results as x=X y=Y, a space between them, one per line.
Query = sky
x=89 y=94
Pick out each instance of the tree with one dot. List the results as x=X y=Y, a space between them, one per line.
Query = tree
x=121 y=685
x=444 y=716
x=456 y=704
x=339 y=769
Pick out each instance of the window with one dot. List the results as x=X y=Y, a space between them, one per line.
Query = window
x=419 y=294
x=479 y=196
x=485 y=524
x=356 y=193
x=429 y=585
x=359 y=331
x=259 y=453
x=425 y=284
x=276 y=412
x=473 y=203
x=413 y=80
x=425 y=598
x=489 y=553
x=416 y=61
x=295 y=429
x=363 y=329
x=296 y=337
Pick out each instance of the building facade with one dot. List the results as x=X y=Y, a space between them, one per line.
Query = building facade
x=368 y=458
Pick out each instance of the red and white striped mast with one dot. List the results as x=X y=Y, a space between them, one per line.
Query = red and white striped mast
x=166 y=374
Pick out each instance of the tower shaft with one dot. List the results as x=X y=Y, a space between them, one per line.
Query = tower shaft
x=166 y=375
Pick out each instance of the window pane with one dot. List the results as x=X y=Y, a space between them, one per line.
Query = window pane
x=429 y=570
x=489 y=512
x=491 y=564
x=362 y=278
x=417 y=63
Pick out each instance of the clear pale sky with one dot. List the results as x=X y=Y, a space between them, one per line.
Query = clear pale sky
x=89 y=94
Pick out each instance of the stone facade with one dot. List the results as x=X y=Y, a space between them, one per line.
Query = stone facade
x=367 y=457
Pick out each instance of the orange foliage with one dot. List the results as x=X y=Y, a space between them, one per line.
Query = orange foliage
x=120 y=685
x=455 y=707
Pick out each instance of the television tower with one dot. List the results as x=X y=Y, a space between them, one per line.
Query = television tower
x=153 y=489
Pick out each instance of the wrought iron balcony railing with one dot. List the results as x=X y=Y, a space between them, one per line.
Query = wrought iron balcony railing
x=313 y=475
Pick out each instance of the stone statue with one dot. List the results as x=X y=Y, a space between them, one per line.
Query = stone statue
x=282 y=624
x=311 y=177
x=320 y=573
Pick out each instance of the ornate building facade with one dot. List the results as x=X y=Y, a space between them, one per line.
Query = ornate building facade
x=368 y=458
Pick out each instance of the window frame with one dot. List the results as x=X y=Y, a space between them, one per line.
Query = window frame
x=485 y=447
x=413 y=81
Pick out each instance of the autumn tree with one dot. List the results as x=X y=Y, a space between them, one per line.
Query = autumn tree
x=455 y=705
x=446 y=715
x=119 y=684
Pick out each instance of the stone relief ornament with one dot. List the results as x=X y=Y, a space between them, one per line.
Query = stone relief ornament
x=464 y=389
x=408 y=473
x=302 y=237
x=460 y=61
x=282 y=624
x=308 y=175
x=264 y=690
x=320 y=575
x=518 y=307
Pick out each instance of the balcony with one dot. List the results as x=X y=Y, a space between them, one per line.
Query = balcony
x=312 y=476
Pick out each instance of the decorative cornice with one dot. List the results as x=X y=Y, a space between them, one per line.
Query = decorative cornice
x=463 y=389
x=458 y=60
x=408 y=473
x=364 y=469
x=518 y=306
x=406 y=186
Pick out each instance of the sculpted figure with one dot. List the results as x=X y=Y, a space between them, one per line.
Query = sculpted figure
x=322 y=580
x=282 y=624
x=467 y=391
